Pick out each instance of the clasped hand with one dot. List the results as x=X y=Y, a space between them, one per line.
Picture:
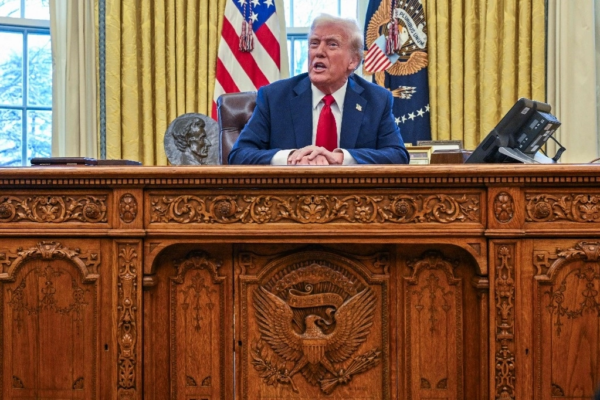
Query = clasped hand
x=315 y=155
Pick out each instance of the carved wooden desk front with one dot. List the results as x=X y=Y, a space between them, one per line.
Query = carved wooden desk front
x=407 y=282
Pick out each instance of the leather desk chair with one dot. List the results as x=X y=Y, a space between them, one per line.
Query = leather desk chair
x=234 y=110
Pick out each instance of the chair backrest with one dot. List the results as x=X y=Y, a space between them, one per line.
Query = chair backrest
x=234 y=110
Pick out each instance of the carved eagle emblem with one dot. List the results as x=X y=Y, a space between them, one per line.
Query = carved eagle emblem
x=313 y=351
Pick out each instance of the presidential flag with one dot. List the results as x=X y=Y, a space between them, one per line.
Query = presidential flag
x=251 y=54
x=396 y=55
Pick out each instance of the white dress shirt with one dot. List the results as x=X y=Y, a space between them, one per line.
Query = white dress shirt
x=280 y=158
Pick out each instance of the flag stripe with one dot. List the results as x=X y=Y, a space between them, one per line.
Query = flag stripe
x=372 y=55
x=214 y=114
x=247 y=71
x=218 y=91
x=382 y=64
x=235 y=70
x=247 y=62
x=224 y=78
x=265 y=35
x=376 y=60
x=269 y=67
x=262 y=58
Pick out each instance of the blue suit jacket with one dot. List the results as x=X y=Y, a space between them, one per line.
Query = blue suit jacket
x=282 y=120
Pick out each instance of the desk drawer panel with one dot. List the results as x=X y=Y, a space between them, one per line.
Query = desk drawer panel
x=65 y=209
x=450 y=208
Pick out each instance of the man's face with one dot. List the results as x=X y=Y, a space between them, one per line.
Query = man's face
x=330 y=58
x=198 y=142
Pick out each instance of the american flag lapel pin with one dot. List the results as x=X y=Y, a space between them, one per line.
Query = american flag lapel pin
x=358 y=107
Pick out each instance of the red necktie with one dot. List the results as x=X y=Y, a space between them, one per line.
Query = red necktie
x=326 y=128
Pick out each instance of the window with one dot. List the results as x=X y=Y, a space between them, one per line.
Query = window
x=300 y=13
x=25 y=81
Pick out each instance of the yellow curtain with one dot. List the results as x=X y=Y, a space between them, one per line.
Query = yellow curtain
x=74 y=88
x=160 y=63
x=573 y=85
x=484 y=55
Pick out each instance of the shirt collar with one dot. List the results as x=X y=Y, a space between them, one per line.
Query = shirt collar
x=338 y=95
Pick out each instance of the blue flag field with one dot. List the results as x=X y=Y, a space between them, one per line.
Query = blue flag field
x=396 y=44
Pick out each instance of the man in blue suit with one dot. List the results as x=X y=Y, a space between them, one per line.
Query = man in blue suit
x=329 y=116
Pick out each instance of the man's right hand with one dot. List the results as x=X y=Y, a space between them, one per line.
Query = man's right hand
x=315 y=155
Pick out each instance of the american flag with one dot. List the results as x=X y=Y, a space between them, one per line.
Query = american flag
x=248 y=62
x=376 y=60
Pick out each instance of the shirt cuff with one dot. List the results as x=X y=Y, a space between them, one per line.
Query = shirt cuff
x=348 y=159
x=281 y=157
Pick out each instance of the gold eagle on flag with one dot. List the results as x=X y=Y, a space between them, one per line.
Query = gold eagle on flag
x=402 y=21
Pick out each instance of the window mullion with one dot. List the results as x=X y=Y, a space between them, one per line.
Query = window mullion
x=25 y=97
x=291 y=55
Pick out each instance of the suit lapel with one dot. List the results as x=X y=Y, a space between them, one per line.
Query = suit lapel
x=354 y=111
x=301 y=107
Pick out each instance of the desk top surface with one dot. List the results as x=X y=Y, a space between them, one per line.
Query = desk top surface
x=258 y=176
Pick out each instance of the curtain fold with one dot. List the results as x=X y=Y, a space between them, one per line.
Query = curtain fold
x=485 y=54
x=160 y=63
x=572 y=78
x=597 y=14
x=74 y=99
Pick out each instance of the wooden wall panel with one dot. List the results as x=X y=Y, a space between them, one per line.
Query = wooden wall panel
x=189 y=326
x=442 y=312
x=567 y=312
x=50 y=304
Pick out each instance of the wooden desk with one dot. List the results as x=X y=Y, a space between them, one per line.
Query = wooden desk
x=407 y=282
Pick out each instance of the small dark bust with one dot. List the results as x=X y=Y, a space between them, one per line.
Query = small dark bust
x=190 y=140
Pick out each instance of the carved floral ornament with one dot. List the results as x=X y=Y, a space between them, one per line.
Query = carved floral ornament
x=312 y=321
x=128 y=208
x=569 y=207
x=431 y=288
x=588 y=278
x=11 y=261
x=432 y=260
x=549 y=264
x=197 y=287
x=504 y=207
x=47 y=300
x=127 y=321
x=581 y=281
x=53 y=209
x=315 y=209
x=198 y=260
x=505 y=323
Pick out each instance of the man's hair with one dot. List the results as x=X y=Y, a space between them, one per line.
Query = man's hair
x=350 y=26
x=183 y=130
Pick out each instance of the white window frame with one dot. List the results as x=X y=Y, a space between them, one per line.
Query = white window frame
x=301 y=33
x=25 y=26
